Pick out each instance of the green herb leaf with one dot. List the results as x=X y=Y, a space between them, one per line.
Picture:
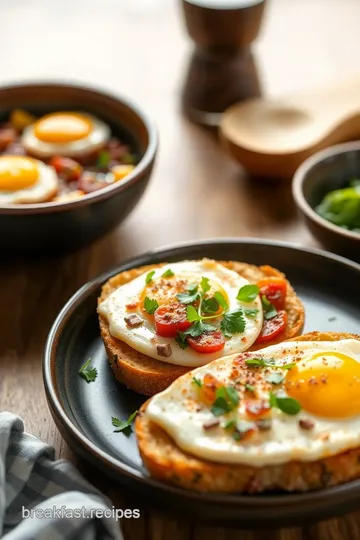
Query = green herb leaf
x=204 y=284
x=250 y=387
x=149 y=277
x=342 y=207
x=286 y=404
x=181 y=340
x=287 y=366
x=197 y=382
x=231 y=424
x=269 y=309
x=191 y=314
x=129 y=159
x=275 y=378
x=124 y=426
x=226 y=400
x=190 y=296
x=103 y=159
x=232 y=395
x=221 y=300
x=251 y=313
x=220 y=407
x=168 y=273
x=198 y=328
x=233 y=322
x=87 y=372
x=260 y=362
x=210 y=305
x=248 y=293
x=150 y=305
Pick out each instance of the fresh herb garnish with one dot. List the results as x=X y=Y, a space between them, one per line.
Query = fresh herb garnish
x=248 y=293
x=210 y=305
x=342 y=207
x=269 y=309
x=251 y=313
x=150 y=305
x=124 y=426
x=103 y=159
x=190 y=296
x=221 y=300
x=168 y=273
x=233 y=322
x=87 y=372
x=205 y=285
x=275 y=378
x=197 y=382
x=181 y=340
x=270 y=362
x=149 y=277
x=286 y=404
x=226 y=400
x=249 y=387
x=198 y=328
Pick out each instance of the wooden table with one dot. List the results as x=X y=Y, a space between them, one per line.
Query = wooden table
x=138 y=47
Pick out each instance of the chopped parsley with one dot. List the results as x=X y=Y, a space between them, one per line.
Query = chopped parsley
x=168 y=273
x=190 y=296
x=197 y=382
x=87 y=372
x=251 y=313
x=150 y=305
x=286 y=404
x=221 y=300
x=248 y=293
x=269 y=309
x=181 y=340
x=123 y=426
x=249 y=387
x=233 y=322
x=199 y=328
x=226 y=400
x=149 y=277
x=261 y=362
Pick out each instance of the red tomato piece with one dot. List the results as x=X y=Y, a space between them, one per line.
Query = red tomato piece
x=69 y=169
x=256 y=408
x=171 y=319
x=275 y=290
x=273 y=327
x=208 y=389
x=208 y=342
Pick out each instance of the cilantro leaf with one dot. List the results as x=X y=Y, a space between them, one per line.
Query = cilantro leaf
x=168 y=273
x=103 y=159
x=190 y=295
x=249 y=387
x=286 y=404
x=210 y=305
x=251 y=313
x=181 y=340
x=220 y=407
x=248 y=293
x=226 y=400
x=275 y=378
x=87 y=372
x=233 y=322
x=204 y=284
x=197 y=382
x=221 y=300
x=149 y=277
x=124 y=426
x=198 y=328
x=150 y=305
x=269 y=309
x=260 y=362
x=191 y=314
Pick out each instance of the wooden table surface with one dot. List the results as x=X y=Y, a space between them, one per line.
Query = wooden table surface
x=139 y=48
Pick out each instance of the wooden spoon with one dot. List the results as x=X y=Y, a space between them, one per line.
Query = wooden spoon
x=272 y=137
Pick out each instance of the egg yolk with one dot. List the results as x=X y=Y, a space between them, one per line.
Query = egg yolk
x=17 y=172
x=165 y=290
x=62 y=128
x=327 y=384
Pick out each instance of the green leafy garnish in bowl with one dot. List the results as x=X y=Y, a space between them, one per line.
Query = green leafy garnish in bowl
x=342 y=207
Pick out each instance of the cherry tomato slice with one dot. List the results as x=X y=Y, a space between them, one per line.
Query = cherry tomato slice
x=208 y=389
x=69 y=169
x=275 y=290
x=171 y=319
x=208 y=342
x=89 y=182
x=273 y=327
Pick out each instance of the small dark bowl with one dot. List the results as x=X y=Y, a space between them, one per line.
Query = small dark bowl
x=323 y=172
x=54 y=226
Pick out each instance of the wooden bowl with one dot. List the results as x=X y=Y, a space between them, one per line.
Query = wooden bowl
x=325 y=171
x=59 y=226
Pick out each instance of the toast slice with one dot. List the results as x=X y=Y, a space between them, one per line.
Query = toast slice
x=167 y=462
x=149 y=376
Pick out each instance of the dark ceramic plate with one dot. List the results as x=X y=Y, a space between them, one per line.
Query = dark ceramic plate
x=329 y=287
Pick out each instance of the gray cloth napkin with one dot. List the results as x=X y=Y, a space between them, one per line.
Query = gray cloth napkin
x=64 y=501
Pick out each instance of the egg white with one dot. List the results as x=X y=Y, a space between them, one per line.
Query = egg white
x=284 y=442
x=144 y=339
x=43 y=190
x=96 y=139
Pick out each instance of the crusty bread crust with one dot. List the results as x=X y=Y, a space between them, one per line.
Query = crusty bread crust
x=166 y=461
x=148 y=376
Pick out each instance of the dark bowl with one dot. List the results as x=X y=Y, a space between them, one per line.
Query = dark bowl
x=63 y=226
x=323 y=172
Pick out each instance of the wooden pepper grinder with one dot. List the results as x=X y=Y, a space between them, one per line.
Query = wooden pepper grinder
x=222 y=70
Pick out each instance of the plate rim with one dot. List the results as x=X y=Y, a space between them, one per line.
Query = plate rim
x=123 y=469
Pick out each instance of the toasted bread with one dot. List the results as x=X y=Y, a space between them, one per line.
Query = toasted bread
x=148 y=376
x=166 y=461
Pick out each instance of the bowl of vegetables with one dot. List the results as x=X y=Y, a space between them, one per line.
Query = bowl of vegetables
x=74 y=162
x=326 y=188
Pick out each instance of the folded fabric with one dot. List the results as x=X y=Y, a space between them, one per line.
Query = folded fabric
x=43 y=499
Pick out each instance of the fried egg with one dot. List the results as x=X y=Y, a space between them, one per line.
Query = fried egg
x=291 y=401
x=26 y=180
x=130 y=298
x=69 y=134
